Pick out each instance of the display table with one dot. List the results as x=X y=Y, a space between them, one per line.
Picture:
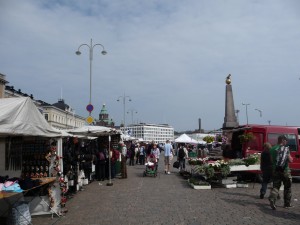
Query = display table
x=255 y=167
x=38 y=202
x=8 y=200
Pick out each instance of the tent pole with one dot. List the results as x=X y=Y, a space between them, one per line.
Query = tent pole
x=109 y=163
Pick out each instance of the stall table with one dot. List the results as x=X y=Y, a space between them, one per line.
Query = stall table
x=9 y=199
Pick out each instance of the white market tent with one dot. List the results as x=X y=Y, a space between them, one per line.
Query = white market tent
x=94 y=131
x=184 y=138
x=20 y=117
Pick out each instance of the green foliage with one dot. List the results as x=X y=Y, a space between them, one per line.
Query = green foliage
x=236 y=162
x=208 y=139
x=225 y=170
x=209 y=172
x=244 y=138
x=196 y=181
x=205 y=169
x=199 y=169
x=252 y=159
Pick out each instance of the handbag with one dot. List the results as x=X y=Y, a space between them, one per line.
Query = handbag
x=176 y=164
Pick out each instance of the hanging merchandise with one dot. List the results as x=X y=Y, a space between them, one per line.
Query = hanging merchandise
x=55 y=190
x=13 y=158
x=63 y=188
x=35 y=165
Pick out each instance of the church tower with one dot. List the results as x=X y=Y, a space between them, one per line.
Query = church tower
x=104 y=118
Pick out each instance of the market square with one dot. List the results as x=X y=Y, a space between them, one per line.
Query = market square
x=168 y=199
x=114 y=112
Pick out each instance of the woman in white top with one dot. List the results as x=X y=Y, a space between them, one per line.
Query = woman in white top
x=155 y=151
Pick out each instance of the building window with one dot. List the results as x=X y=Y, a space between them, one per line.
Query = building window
x=46 y=117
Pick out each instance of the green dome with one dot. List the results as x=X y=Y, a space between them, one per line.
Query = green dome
x=103 y=110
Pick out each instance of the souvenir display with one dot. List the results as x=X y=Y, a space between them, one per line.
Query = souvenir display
x=35 y=165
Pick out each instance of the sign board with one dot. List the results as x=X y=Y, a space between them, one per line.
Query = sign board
x=89 y=119
x=89 y=107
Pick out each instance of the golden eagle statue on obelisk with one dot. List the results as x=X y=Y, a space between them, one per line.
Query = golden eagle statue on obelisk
x=230 y=120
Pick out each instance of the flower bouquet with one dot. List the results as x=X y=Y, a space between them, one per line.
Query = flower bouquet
x=197 y=161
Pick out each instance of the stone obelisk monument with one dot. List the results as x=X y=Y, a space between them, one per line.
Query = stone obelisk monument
x=230 y=120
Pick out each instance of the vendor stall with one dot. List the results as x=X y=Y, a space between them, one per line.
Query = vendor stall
x=185 y=139
x=28 y=149
x=104 y=136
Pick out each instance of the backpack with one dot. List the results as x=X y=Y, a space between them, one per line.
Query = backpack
x=101 y=156
x=181 y=153
x=282 y=158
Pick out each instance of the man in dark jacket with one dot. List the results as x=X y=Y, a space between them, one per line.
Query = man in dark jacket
x=266 y=168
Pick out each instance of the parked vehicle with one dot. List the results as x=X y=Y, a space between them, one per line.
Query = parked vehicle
x=249 y=139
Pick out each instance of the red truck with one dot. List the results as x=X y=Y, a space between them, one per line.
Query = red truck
x=249 y=139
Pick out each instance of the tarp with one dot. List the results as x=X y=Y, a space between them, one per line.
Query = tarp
x=94 y=131
x=184 y=138
x=20 y=116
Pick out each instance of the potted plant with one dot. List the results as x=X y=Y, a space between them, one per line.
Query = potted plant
x=225 y=170
x=209 y=172
x=246 y=137
x=252 y=159
x=208 y=139
x=198 y=183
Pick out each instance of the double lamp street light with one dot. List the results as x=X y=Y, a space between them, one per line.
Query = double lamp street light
x=91 y=49
x=90 y=107
x=124 y=105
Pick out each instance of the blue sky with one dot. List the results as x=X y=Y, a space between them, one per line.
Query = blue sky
x=170 y=57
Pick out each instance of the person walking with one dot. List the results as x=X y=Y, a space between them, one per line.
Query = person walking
x=142 y=155
x=168 y=154
x=266 y=168
x=132 y=154
x=281 y=157
x=101 y=165
x=123 y=160
x=181 y=158
x=137 y=153
x=114 y=156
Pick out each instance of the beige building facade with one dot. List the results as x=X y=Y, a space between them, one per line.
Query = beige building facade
x=62 y=119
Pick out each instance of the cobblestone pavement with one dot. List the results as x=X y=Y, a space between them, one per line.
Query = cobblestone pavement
x=167 y=199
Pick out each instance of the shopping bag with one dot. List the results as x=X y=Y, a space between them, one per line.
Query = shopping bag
x=176 y=164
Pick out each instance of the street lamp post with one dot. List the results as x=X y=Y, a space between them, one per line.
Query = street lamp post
x=91 y=49
x=260 y=112
x=246 y=104
x=132 y=111
x=237 y=114
x=124 y=105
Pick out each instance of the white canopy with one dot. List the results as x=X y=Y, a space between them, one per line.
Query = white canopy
x=186 y=139
x=20 y=116
x=94 y=131
x=63 y=133
x=126 y=137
